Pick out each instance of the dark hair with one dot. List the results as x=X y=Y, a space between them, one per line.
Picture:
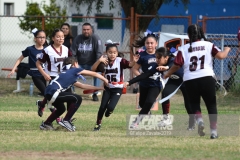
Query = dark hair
x=36 y=34
x=195 y=32
x=110 y=46
x=54 y=33
x=163 y=52
x=88 y=24
x=70 y=31
x=141 y=42
x=69 y=60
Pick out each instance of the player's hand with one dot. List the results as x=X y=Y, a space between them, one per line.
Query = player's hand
x=136 y=57
x=11 y=73
x=47 y=77
x=125 y=84
x=104 y=59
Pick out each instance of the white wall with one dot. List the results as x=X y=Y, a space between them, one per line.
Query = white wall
x=12 y=41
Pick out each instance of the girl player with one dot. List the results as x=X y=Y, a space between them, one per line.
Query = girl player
x=56 y=96
x=31 y=52
x=149 y=87
x=113 y=71
x=196 y=59
x=165 y=61
x=52 y=56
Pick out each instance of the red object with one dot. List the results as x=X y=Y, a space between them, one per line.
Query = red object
x=89 y=91
x=124 y=90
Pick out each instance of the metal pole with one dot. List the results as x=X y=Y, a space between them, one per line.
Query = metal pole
x=221 y=71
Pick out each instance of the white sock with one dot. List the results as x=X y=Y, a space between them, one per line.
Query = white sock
x=214 y=131
x=199 y=120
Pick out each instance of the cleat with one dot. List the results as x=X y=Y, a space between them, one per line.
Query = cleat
x=165 y=121
x=40 y=109
x=97 y=127
x=98 y=94
x=213 y=136
x=201 y=129
x=107 y=113
x=67 y=124
x=191 y=128
x=133 y=125
x=45 y=126
x=95 y=97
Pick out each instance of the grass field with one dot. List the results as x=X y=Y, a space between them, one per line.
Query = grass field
x=22 y=139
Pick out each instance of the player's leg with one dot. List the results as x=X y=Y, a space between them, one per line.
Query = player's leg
x=113 y=100
x=194 y=94
x=103 y=106
x=47 y=125
x=209 y=97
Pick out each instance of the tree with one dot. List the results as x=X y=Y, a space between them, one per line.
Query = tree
x=52 y=15
x=143 y=7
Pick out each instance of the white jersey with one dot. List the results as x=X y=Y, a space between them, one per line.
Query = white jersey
x=199 y=62
x=54 y=59
x=114 y=72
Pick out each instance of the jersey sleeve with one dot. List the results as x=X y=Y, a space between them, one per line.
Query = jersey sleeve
x=42 y=57
x=25 y=52
x=215 y=50
x=124 y=63
x=179 y=59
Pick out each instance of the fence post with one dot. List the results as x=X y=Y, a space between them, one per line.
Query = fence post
x=221 y=71
x=43 y=23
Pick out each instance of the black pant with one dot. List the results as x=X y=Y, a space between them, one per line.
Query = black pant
x=109 y=101
x=147 y=97
x=203 y=87
x=68 y=97
x=40 y=83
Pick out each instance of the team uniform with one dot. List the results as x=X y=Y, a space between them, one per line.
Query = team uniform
x=53 y=59
x=149 y=87
x=111 y=95
x=172 y=84
x=56 y=95
x=31 y=52
x=198 y=77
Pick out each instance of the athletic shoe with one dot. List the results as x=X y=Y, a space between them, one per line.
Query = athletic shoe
x=98 y=94
x=165 y=121
x=191 y=128
x=95 y=97
x=107 y=113
x=97 y=127
x=45 y=126
x=66 y=124
x=213 y=136
x=201 y=129
x=134 y=125
x=40 y=109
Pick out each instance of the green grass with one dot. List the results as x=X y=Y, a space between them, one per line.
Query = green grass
x=22 y=139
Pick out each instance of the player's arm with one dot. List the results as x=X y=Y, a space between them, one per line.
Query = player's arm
x=87 y=86
x=138 y=78
x=45 y=75
x=136 y=68
x=94 y=74
x=102 y=59
x=173 y=69
x=19 y=60
x=223 y=54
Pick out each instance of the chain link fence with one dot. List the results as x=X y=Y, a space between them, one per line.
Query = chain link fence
x=13 y=40
x=226 y=70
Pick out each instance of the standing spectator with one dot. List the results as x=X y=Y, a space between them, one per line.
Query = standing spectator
x=31 y=52
x=87 y=47
x=196 y=58
x=68 y=38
